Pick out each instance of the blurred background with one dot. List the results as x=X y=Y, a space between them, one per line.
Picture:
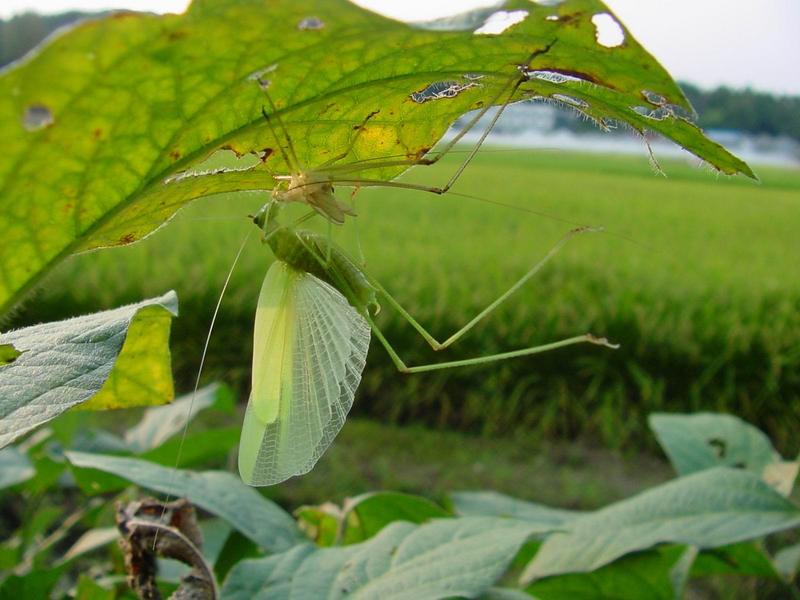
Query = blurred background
x=696 y=277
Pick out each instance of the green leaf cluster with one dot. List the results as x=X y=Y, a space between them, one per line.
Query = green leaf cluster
x=710 y=522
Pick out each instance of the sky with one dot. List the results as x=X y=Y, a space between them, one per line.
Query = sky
x=706 y=42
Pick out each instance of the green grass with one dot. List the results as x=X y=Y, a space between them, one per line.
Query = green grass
x=696 y=278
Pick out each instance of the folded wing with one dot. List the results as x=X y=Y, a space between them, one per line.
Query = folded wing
x=312 y=345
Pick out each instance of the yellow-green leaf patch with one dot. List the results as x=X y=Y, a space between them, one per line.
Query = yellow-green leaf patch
x=112 y=359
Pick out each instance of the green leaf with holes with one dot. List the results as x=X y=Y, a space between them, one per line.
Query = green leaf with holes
x=106 y=128
x=113 y=359
x=707 y=509
x=700 y=441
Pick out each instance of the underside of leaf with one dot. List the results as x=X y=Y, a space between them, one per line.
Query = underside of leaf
x=105 y=126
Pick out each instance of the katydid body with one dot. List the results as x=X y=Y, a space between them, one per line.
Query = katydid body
x=312 y=331
x=311 y=252
x=315 y=313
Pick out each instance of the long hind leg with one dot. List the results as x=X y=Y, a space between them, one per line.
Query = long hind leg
x=433 y=342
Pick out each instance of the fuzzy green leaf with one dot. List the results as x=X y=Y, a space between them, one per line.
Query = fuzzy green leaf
x=441 y=559
x=495 y=504
x=707 y=509
x=218 y=492
x=104 y=127
x=113 y=359
x=704 y=440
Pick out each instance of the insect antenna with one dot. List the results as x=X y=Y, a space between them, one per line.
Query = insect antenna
x=200 y=372
x=290 y=156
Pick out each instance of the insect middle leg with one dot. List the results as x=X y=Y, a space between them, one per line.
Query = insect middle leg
x=513 y=84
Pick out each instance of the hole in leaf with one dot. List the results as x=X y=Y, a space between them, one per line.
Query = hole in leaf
x=547 y=2
x=608 y=31
x=500 y=21
x=570 y=100
x=653 y=98
x=221 y=161
x=258 y=75
x=311 y=24
x=719 y=446
x=445 y=89
x=552 y=76
x=658 y=114
x=551 y=18
x=37 y=116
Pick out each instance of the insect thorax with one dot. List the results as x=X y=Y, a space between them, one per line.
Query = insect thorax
x=315 y=189
x=298 y=250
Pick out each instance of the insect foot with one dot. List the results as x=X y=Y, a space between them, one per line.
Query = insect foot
x=601 y=341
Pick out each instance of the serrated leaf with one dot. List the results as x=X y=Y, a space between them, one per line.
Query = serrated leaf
x=440 y=559
x=698 y=441
x=707 y=509
x=495 y=504
x=218 y=492
x=98 y=123
x=113 y=359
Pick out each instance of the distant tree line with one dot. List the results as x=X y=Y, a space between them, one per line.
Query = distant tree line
x=23 y=32
x=722 y=108
x=746 y=110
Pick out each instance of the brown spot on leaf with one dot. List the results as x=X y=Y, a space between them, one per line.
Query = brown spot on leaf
x=362 y=125
x=173 y=36
x=328 y=106
x=37 y=116
x=573 y=19
x=128 y=238
x=97 y=133
x=419 y=153
x=582 y=75
x=175 y=154
x=266 y=153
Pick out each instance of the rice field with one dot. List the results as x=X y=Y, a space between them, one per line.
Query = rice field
x=695 y=276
